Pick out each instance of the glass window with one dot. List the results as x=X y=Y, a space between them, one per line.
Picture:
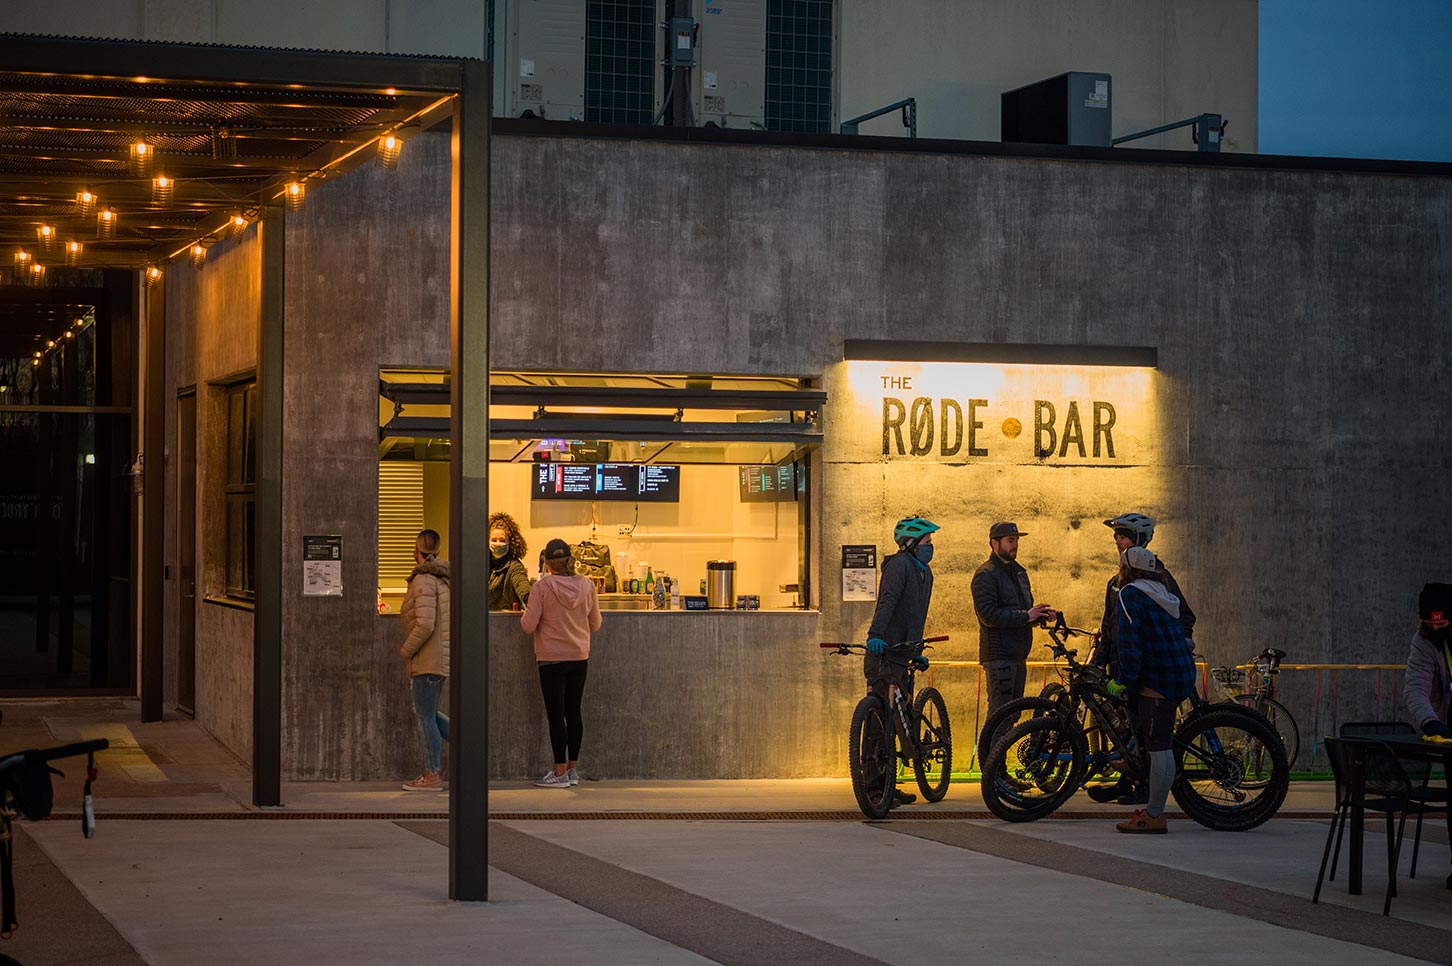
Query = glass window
x=799 y=65
x=241 y=487
x=620 y=47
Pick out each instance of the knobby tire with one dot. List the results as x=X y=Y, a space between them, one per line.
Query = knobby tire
x=935 y=744
x=872 y=757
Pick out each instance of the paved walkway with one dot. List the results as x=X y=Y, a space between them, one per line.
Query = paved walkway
x=184 y=871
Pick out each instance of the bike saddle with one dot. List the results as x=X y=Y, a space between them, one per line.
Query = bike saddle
x=1273 y=654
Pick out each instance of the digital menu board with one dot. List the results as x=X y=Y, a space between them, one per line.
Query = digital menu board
x=625 y=482
x=768 y=484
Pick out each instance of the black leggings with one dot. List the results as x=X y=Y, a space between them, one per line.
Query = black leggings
x=563 y=685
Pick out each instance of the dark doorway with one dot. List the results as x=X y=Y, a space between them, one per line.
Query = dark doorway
x=64 y=505
x=186 y=551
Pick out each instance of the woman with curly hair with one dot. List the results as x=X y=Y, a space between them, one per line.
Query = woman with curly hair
x=508 y=582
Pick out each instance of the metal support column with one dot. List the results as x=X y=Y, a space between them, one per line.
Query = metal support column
x=153 y=504
x=267 y=541
x=469 y=491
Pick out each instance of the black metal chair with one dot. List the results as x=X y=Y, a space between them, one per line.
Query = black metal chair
x=1419 y=770
x=1369 y=776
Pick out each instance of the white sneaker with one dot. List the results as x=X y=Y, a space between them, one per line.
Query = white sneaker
x=573 y=776
x=551 y=780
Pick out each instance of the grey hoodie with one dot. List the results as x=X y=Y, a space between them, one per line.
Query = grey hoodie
x=1156 y=592
x=1429 y=682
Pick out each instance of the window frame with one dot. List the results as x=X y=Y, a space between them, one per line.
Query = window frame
x=240 y=491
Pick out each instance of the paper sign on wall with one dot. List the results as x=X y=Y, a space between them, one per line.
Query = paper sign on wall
x=859 y=571
x=323 y=565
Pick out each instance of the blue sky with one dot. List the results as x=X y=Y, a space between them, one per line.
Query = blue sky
x=1356 y=78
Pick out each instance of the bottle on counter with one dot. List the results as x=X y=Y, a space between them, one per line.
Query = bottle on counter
x=649 y=582
x=658 y=598
x=675 y=594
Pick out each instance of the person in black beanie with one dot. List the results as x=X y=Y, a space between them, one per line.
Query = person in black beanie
x=1429 y=666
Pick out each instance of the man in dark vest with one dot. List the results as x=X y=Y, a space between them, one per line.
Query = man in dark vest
x=1006 y=613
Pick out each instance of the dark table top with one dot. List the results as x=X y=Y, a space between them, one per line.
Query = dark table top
x=1411 y=746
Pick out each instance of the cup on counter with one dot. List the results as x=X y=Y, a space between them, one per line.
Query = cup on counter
x=599 y=583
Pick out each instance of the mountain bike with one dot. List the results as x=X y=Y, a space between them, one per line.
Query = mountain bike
x=1041 y=762
x=25 y=790
x=885 y=732
x=1264 y=667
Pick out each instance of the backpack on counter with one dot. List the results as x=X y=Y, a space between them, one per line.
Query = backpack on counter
x=593 y=560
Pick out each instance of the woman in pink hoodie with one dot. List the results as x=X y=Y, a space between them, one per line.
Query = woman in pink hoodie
x=561 y=612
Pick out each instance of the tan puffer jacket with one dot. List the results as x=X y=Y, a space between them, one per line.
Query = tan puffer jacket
x=425 y=615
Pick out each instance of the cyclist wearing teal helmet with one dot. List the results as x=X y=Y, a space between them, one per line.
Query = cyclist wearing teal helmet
x=903 y=596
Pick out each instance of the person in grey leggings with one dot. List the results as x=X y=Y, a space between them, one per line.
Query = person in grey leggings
x=1156 y=672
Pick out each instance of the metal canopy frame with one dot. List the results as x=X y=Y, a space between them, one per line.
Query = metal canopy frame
x=234 y=125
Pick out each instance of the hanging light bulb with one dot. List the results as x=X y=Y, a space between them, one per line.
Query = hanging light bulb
x=106 y=223
x=85 y=203
x=22 y=259
x=389 y=147
x=37 y=273
x=70 y=333
x=295 y=194
x=153 y=275
x=45 y=234
x=161 y=190
x=199 y=254
x=143 y=153
x=237 y=224
x=73 y=252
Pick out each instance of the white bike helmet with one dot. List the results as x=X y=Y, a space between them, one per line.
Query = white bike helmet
x=1141 y=526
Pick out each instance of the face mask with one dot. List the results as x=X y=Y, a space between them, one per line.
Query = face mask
x=1438 y=635
x=498 y=549
x=924 y=552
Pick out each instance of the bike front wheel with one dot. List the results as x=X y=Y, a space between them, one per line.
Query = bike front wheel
x=1034 y=769
x=933 y=767
x=1230 y=769
x=872 y=757
x=1280 y=719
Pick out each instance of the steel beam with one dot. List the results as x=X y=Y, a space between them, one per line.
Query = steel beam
x=267 y=541
x=469 y=490
x=153 y=505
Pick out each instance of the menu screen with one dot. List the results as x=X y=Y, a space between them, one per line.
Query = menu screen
x=658 y=484
x=768 y=484
x=625 y=482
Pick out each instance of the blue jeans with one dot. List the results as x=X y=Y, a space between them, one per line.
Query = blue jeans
x=433 y=725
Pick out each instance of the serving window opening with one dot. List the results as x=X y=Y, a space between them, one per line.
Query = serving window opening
x=646 y=476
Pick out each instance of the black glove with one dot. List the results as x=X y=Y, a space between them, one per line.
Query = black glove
x=1437 y=729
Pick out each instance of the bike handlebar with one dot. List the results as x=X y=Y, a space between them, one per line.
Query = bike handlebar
x=59 y=751
x=842 y=647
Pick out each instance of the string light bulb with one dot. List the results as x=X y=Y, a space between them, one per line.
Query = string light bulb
x=106 y=223
x=70 y=333
x=237 y=224
x=73 y=252
x=22 y=259
x=45 y=234
x=85 y=203
x=161 y=190
x=143 y=153
x=153 y=275
x=295 y=194
x=389 y=147
x=199 y=254
x=37 y=273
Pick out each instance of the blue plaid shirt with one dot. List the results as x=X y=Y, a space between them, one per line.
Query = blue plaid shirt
x=1154 y=652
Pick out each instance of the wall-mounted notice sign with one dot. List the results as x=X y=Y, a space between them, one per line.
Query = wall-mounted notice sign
x=322 y=565
x=859 y=571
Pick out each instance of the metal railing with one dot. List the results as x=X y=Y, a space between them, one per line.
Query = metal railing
x=909 y=107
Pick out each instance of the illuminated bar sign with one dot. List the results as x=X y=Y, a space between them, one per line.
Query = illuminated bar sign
x=966 y=412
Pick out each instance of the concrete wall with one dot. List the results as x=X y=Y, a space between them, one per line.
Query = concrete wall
x=211 y=336
x=450 y=28
x=367 y=287
x=1286 y=441
x=1170 y=59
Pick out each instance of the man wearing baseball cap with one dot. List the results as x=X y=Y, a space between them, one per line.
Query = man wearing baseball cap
x=1429 y=666
x=1006 y=611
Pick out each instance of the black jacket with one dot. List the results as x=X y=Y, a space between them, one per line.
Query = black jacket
x=1002 y=597
x=1106 y=651
x=508 y=584
x=903 y=596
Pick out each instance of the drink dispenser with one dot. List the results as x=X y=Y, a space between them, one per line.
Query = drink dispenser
x=720 y=584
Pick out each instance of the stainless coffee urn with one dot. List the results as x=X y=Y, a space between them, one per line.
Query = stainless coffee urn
x=720 y=584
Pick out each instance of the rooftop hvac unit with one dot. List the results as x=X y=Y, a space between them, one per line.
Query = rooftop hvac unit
x=548 y=62
x=731 y=72
x=1072 y=108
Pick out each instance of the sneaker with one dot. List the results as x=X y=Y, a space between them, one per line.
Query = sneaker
x=1140 y=823
x=573 y=776
x=551 y=780
x=427 y=782
x=1137 y=795
x=900 y=797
